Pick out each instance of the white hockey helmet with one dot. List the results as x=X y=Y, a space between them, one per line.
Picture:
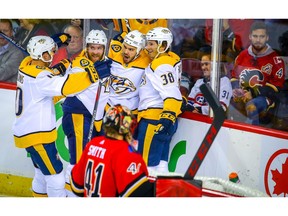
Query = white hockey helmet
x=96 y=37
x=136 y=39
x=38 y=45
x=160 y=34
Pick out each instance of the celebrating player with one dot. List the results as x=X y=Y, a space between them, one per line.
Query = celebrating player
x=160 y=100
x=35 y=124
x=78 y=109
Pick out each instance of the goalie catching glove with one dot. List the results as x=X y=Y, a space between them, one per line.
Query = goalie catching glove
x=61 y=39
x=103 y=68
x=61 y=67
x=166 y=121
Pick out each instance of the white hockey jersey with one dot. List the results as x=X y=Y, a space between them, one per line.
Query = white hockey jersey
x=88 y=96
x=126 y=79
x=197 y=98
x=160 y=87
x=35 y=112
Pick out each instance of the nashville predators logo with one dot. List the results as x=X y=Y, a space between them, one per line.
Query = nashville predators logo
x=143 y=80
x=116 y=48
x=84 y=62
x=122 y=85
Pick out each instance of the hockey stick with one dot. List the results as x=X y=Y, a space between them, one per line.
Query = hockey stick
x=94 y=111
x=14 y=43
x=219 y=117
x=110 y=28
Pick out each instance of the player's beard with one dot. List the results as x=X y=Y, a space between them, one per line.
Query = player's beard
x=259 y=48
x=94 y=57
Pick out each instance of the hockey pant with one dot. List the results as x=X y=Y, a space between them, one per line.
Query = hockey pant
x=154 y=149
x=49 y=177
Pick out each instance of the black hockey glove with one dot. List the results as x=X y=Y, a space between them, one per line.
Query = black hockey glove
x=61 y=67
x=120 y=37
x=103 y=68
x=61 y=39
x=184 y=103
x=167 y=119
x=93 y=75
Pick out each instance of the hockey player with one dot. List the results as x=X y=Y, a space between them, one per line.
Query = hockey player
x=35 y=124
x=109 y=165
x=129 y=62
x=142 y=25
x=160 y=100
x=196 y=101
x=78 y=109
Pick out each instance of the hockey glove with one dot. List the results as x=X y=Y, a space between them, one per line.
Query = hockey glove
x=61 y=67
x=120 y=37
x=103 y=68
x=166 y=121
x=61 y=39
x=93 y=75
x=184 y=103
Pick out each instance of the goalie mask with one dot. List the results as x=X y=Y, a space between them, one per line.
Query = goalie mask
x=38 y=45
x=120 y=119
x=251 y=78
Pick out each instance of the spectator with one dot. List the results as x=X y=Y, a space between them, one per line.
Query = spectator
x=32 y=27
x=262 y=73
x=233 y=29
x=74 y=47
x=109 y=164
x=34 y=128
x=185 y=84
x=10 y=55
x=196 y=100
x=160 y=100
x=77 y=22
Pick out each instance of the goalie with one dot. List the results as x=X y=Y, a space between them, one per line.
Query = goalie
x=111 y=167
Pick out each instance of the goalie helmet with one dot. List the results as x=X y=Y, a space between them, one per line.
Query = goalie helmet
x=120 y=119
x=160 y=34
x=251 y=78
x=136 y=39
x=38 y=45
x=96 y=37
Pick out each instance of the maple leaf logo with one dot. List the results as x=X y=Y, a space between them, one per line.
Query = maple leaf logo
x=281 y=179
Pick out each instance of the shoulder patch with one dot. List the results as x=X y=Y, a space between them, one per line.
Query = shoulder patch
x=84 y=62
x=116 y=47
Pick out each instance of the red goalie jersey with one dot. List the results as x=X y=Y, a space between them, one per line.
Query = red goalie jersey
x=110 y=168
